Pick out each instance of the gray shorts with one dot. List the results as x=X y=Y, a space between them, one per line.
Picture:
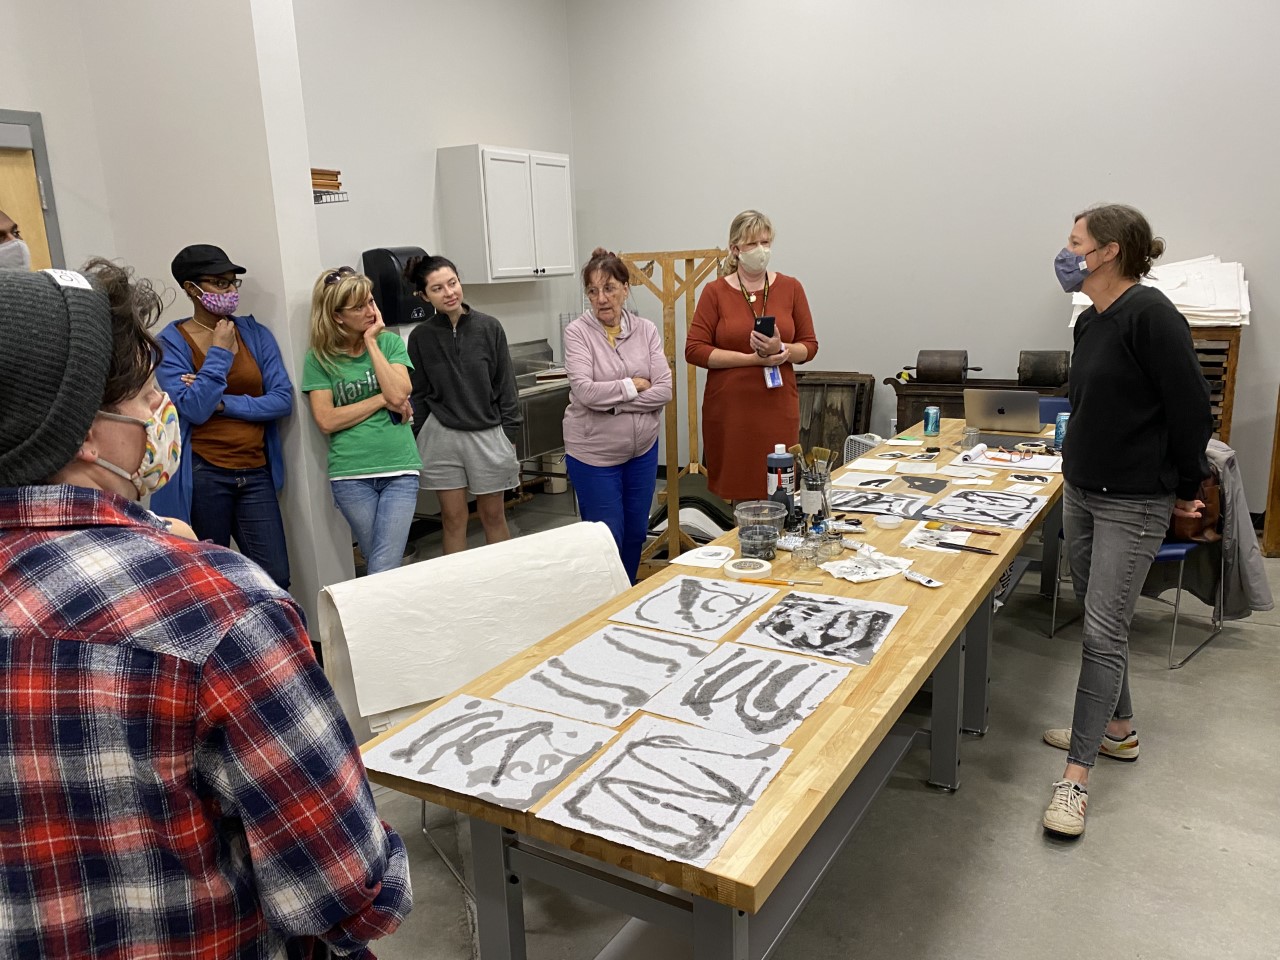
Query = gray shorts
x=482 y=461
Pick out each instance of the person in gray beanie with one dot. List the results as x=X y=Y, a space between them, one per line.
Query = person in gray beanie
x=164 y=717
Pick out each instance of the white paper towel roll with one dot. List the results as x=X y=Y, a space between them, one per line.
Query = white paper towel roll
x=406 y=636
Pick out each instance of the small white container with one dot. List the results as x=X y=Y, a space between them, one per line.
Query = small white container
x=888 y=522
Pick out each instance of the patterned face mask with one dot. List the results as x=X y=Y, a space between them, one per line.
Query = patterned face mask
x=164 y=448
x=220 y=304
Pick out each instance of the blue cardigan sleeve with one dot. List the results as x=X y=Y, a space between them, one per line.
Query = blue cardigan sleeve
x=196 y=403
x=277 y=390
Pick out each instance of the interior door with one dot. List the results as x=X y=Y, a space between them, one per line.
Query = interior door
x=552 y=215
x=508 y=209
x=20 y=199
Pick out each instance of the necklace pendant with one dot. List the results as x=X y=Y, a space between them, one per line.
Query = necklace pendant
x=751 y=298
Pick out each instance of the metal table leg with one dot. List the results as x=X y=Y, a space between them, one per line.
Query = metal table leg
x=977 y=667
x=719 y=932
x=499 y=896
x=944 y=730
x=1049 y=531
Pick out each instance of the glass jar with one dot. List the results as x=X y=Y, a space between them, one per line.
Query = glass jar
x=970 y=438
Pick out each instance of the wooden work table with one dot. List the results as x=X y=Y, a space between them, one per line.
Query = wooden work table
x=830 y=749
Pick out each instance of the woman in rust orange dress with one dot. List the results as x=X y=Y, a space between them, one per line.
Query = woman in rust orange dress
x=751 y=401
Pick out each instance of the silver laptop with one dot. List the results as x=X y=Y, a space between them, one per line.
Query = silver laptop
x=1007 y=411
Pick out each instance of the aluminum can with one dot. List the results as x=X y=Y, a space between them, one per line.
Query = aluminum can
x=1060 y=430
x=932 y=421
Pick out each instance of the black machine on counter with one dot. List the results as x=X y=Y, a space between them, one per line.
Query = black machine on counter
x=385 y=267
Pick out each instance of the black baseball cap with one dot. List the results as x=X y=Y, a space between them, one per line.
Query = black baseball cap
x=202 y=260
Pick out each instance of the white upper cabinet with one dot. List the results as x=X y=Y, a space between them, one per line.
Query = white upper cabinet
x=505 y=214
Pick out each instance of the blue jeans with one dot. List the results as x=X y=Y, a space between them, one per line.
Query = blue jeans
x=620 y=497
x=241 y=504
x=1111 y=542
x=379 y=510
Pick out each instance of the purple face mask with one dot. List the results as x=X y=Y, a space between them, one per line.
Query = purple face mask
x=220 y=304
x=1071 y=269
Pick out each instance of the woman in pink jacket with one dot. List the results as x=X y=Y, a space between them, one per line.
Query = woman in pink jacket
x=619 y=382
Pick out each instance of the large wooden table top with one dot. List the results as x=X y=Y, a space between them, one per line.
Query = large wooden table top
x=828 y=749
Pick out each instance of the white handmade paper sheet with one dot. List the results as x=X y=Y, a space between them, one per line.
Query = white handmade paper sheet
x=749 y=692
x=608 y=676
x=696 y=607
x=668 y=789
x=837 y=627
x=923 y=538
x=998 y=508
x=489 y=750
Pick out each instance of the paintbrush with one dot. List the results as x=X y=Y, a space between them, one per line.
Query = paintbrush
x=781 y=583
x=963 y=546
x=821 y=455
x=949 y=527
x=796 y=451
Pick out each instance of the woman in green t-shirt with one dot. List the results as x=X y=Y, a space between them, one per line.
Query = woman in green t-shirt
x=356 y=376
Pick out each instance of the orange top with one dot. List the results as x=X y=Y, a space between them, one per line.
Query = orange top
x=225 y=441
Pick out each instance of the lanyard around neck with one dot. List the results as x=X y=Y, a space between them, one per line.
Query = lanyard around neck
x=764 y=305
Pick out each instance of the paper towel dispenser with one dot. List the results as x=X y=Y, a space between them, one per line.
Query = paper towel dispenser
x=385 y=267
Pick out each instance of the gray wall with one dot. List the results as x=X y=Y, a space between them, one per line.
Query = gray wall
x=922 y=160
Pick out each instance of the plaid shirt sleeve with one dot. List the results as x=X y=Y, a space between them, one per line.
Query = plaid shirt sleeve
x=273 y=745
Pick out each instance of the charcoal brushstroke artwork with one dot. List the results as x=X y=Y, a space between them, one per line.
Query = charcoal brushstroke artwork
x=668 y=789
x=608 y=676
x=696 y=607
x=877 y=501
x=492 y=751
x=929 y=485
x=1029 y=478
x=749 y=692
x=1000 y=508
x=837 y=627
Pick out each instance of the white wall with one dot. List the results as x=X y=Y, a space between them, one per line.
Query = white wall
x=386 y=83
x=922 y=160
x=43 y=70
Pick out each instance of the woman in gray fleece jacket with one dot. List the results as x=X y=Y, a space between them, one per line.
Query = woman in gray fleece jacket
x=619 y=382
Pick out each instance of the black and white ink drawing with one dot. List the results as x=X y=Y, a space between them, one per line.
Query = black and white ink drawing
x=892 y=455
x=876 y=483
x=749 y=692
x=669 y=789
x=835 y=627
x=929 y=485
x=1029 y=477
x=992 y=507
x=608 y=676
x=925 y=457
x=848 y=481
x=877 y=501
x=481 y=748
x=696 y=607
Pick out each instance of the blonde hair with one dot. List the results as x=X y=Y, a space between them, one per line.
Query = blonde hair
x=746 y=224
x=336 y=289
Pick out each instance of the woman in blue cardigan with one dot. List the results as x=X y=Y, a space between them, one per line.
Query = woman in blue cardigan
x=225 y=375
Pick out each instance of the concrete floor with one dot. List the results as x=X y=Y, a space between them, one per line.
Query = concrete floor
x=1181 y=858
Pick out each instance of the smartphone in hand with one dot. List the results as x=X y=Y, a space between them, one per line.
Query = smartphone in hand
x=765 y=326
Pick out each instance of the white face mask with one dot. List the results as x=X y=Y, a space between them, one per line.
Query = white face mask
x=755 y=259
x=15 y=255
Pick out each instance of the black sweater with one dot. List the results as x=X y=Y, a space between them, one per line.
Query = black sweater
x=1140 y=417
x=463 y=375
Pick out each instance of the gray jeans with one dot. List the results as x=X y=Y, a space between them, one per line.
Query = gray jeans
x=1111 y=542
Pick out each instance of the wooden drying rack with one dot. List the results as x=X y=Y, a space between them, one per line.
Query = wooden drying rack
x=681 y=272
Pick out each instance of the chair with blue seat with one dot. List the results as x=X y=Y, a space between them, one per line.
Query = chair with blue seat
x=1171 y=551
x=1050 y=407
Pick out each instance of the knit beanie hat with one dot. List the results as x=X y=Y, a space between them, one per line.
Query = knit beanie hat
x=55 y=350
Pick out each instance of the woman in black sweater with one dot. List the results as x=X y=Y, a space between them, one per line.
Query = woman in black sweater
x=1134 y=455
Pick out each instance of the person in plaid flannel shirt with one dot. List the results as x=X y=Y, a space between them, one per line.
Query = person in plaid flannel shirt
x=176 y=777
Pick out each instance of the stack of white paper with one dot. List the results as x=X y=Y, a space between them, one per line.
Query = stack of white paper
x=1205 y=290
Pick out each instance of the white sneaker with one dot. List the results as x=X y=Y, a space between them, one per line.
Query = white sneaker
x=1125 y=749
x=1065 y=815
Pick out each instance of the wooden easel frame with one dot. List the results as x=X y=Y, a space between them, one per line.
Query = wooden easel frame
x=681 y=272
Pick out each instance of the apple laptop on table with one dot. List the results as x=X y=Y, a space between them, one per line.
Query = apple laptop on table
x=1004 y=411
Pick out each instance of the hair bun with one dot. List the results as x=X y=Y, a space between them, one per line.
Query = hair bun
x=1157 y=248
x=602 y=252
